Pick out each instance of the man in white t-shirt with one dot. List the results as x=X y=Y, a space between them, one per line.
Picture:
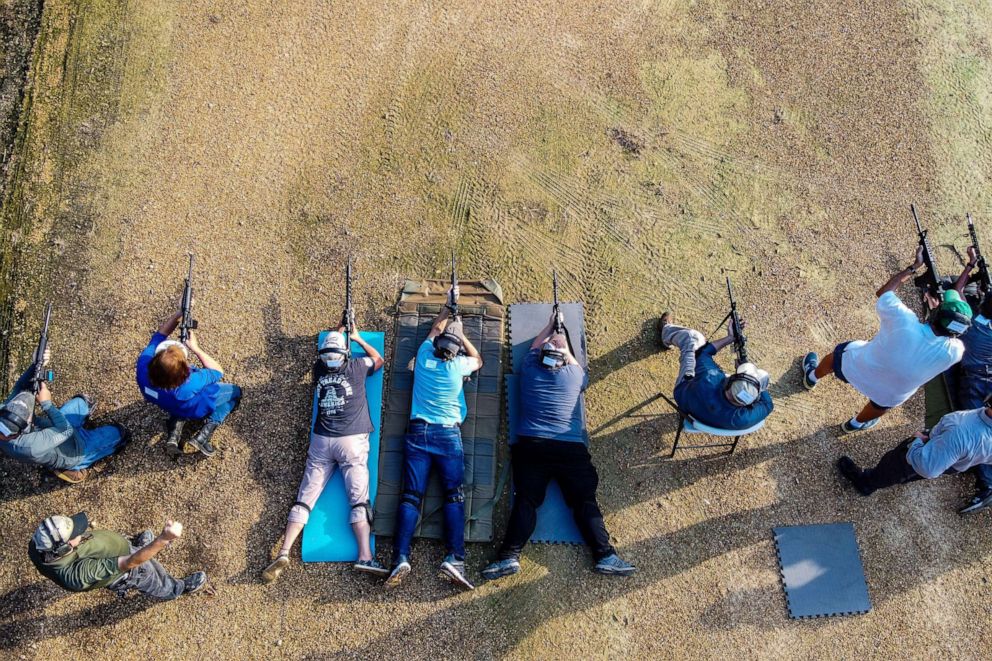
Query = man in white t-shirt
x=903 y=355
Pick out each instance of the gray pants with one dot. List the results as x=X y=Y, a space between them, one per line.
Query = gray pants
x=150 y=579
x=687 y=341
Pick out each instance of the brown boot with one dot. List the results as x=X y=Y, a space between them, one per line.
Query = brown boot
x=666 y=319
x=70 y=476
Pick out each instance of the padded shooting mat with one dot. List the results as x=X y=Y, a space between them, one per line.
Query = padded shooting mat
x=937 y=400
x=821 y=570
x=482 y=312
x=555 y=523
x=327 y=537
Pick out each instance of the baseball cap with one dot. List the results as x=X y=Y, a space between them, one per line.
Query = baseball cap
x=951 y=306
x=58 y=529
x=165 y=344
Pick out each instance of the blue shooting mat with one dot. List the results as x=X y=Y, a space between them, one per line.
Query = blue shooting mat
x=555 y=523
x=821 y=570
x=327 y=537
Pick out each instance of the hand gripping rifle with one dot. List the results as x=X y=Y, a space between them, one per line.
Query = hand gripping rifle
x=740 y=340
x=982 y=277
x=929 y=281
x=187 y=323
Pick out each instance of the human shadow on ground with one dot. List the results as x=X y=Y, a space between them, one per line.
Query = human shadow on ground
x=640 y=346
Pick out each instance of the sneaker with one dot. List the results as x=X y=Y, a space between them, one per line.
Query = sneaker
x=90 y=402
x=501 y=568
x=172 y=442
x=854 y=475
x=810 y=361
x=370 y=567
x=666 y=318
x=978 y=503
x=143 y=539
x=613 y=565
x=201 y=439
x=70 y=476
x=848 y=428
x=275 y=568
x=400 y=570
x=195 y=582
x=453 y=571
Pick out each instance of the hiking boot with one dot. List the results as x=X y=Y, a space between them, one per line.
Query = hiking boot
x=71 y=476
x=981 y=500
x=501 y=568
x=453 y=570
x=275 y=568
x=194 y=582
x=854 y=475
x=666 y=318
x=400 y=570
x=810 y=361
x=848 y=428
x=172 y=442
x=370 y=567
x=143 y=538
x=201 y=439
x=613 y=565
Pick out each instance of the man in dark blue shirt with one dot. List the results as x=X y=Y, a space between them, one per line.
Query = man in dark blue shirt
x=704 y=391
x=550 y=443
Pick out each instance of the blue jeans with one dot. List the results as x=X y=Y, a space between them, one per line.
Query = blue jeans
x=427 y=445
x=227 y=399
x=95 y=444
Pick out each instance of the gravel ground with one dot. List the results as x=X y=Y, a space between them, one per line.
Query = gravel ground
x=644 y=149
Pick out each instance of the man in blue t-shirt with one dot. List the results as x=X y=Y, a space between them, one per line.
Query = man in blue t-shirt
x=704 y=391
x=167 y=379
x=549 y=442
x=434 y=440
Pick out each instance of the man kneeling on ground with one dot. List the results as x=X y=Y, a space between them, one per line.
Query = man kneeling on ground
x=339 y=438
x=56 y=439
x=903 y=355
x=64 y=550
x=704 y=391
x=546 y=448
x=960 y=440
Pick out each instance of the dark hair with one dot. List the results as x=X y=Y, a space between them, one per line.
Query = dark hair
x=169 y=369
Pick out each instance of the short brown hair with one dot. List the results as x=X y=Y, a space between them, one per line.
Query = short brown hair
x=169 y=370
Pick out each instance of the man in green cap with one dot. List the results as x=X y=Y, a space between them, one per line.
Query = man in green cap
x=903 y=355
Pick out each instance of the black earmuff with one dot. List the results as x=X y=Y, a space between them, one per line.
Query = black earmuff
x=952 y=323
x=61 y=547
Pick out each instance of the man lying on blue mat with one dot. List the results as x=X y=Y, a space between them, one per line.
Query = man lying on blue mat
x=551 y=384
x=703 y=390
x=434 y=439
x=340 y=437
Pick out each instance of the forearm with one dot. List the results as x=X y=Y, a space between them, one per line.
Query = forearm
x=543 y=336
x=929 y=459
x=170 y=324
x=207 y=361
x=368 y=348
x=56 y=417
x=440 y=322
x=470 y=349
x=962 y=280
x=722 y=342
x=896 y=281
x=142 y=555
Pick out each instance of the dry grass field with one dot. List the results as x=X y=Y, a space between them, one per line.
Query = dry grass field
x=644 y=148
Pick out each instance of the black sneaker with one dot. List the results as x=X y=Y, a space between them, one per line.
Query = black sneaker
x=201 y=439
x=978 y=503
x=195 y=582
x=665 y=319
x=453 y=571
x=172 y=442
x=854 y=475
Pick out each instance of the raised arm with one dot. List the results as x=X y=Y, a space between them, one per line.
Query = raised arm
x=368 y=348
x=472 y=353
x=962 y=280
x=169 y=325
x=172 y=530
x=902 y=276
x=205 y=359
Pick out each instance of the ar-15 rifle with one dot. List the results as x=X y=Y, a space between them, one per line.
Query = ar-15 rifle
x=982 y=277
x=740 y=340
x=929 y=281
x=349 y=311
x=39 y=374
x=559 y=325
x=187 y=323
x=453 y=303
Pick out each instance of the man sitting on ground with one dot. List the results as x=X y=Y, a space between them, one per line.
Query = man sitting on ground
x=704 y=391
x=961 y=440
x=339 y=438
x=546 y=448
x=56 y=439
x=64 y=550
x=903 y=355
x=168 y=380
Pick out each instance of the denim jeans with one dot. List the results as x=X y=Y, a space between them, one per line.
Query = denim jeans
x=225 y=401
x=440 y=446
x=151 y=579
x=94 y=444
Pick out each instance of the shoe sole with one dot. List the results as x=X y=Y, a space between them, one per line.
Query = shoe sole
x=852 y=430
x=273 y=571
x=200 y=449
x=65 y=478
x=173 y=450
x=199 y=588
x=371 y=570
x=978 y=507
x=492 y=576
x=614 y=572
x=809 y=385
x=397 y=577
x=452 y=575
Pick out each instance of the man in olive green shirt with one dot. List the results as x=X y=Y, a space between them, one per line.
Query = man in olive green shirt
x=64 y=550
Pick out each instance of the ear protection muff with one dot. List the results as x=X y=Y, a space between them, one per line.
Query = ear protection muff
x=552 y=357
x=952 y=323
x=447 y=346
x=738 y=377
x=61 y=547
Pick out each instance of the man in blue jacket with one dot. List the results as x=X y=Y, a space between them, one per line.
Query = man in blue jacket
x=704 y=391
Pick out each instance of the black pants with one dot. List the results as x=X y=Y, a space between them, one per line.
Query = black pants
x=535 y=463
x=892 y=469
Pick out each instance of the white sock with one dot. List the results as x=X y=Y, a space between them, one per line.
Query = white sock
x=854 y=423
x=811 y=376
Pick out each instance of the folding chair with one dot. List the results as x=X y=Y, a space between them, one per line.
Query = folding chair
x=692 y=426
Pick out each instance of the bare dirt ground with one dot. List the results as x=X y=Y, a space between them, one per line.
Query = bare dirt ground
x=644 y=148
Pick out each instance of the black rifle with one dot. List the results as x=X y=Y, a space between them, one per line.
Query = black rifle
x=740 y=340
x=453 y=303
x=559 y=325
x=187 y=323
x=982 y=277
x=39 y=374
x=349 y=311
x=929 y=281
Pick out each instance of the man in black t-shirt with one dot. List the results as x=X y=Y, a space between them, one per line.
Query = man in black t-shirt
x=340 y=437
